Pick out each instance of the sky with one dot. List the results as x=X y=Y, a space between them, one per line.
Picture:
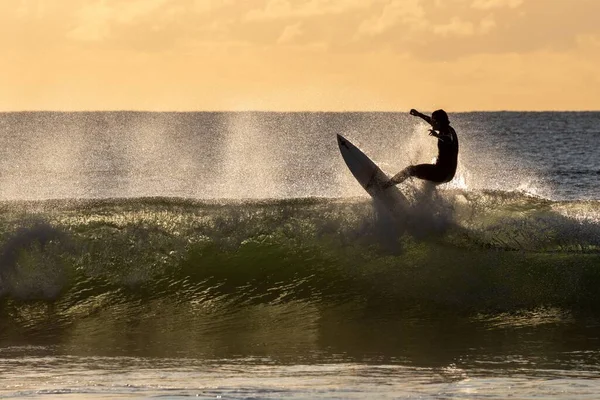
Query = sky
x=299 y=55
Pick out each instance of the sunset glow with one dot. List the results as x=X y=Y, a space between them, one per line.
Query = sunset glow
x=297 y=55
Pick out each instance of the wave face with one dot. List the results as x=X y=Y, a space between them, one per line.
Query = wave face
x=204 y=265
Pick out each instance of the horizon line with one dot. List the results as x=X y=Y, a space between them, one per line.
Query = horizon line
x=286 y=112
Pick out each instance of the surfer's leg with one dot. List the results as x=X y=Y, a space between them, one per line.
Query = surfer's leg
x=428 y=172
x=400 y=176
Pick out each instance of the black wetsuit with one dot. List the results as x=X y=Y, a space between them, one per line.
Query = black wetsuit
x=445 y=166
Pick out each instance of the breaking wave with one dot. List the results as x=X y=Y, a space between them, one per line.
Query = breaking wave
x=66 y=261
x=301 y=266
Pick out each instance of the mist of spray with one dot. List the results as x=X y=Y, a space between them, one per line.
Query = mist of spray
x=248 y=167
x=222 y=155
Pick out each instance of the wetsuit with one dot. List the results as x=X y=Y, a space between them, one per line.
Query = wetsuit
x=445 y=166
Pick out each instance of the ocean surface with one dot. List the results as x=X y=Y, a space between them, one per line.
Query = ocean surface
x=234 y=256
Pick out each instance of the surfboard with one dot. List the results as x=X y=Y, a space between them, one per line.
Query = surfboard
x=371 y=177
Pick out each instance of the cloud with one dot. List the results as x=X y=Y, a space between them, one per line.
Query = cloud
x=273 y=10
x=489 y=4
x=290 y=33
x=96 y=20
x=132 y=10
x=428 y=29
x=449 y=29
x=282 y=9
x=207 y=6
x=456 y=27
x=396 y=12
x=205 y=54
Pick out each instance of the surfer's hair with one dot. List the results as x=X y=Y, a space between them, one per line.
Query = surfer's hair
x=441 y=117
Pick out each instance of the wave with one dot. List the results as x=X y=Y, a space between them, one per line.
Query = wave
x=65 y=261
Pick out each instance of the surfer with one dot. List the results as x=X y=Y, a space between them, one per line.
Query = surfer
x=445 y=166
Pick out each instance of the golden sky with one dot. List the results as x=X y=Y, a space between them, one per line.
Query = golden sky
x=296 y=55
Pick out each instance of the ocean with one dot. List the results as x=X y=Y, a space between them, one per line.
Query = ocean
x=234 y=256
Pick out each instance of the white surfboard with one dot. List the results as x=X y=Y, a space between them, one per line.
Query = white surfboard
x=371 y=177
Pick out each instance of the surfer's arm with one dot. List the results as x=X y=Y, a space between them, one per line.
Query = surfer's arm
x=441 y=136
x=427 y=118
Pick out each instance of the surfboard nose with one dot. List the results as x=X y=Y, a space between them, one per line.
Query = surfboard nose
x=343 y=142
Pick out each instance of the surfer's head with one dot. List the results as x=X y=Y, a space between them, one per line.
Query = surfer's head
x=440 y=118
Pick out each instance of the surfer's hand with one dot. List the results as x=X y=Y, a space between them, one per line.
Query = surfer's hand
x=432 y=132
x=414 y=112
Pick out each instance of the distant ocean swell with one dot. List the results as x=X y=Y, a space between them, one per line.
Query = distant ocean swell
x=64 y=262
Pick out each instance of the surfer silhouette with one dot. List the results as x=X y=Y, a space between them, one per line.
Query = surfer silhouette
x=445 y=166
